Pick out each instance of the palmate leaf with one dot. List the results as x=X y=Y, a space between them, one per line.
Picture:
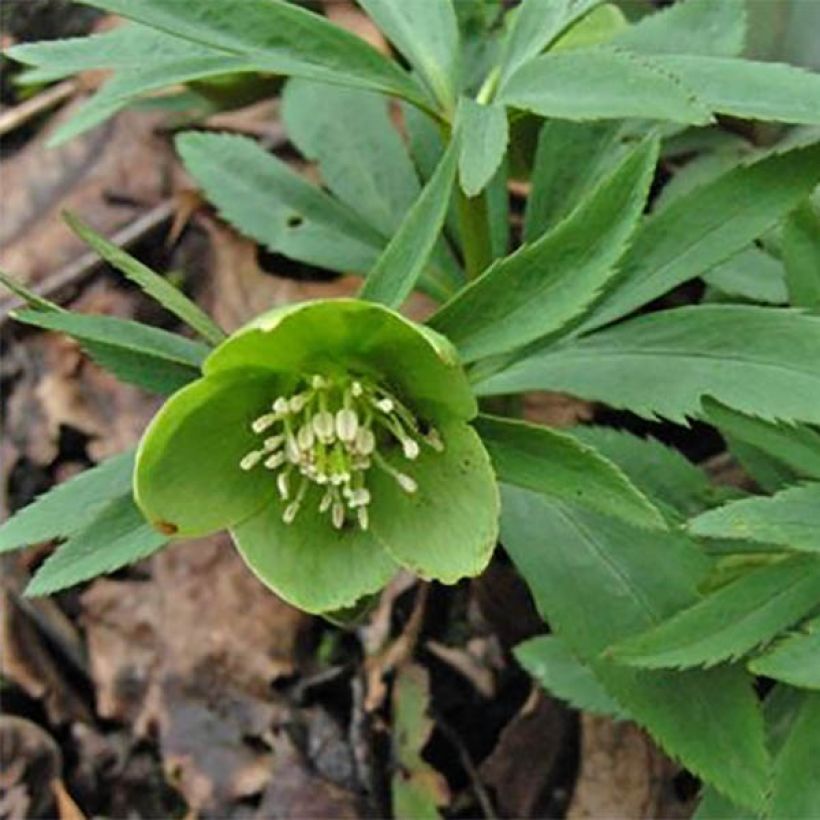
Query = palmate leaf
x=483 y=133
x=554 y=463
x=69 y=506
x=801 y=255
x=794 y=660
x=708 y=226
x=557 y=276
x=789 y=519
x=757 y=360
x=277 y=37
x=151 y=358
x=731 y=621
x=116 y=537
x=598 y=580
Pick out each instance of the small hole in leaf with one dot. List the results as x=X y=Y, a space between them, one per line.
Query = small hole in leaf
x=295 y=220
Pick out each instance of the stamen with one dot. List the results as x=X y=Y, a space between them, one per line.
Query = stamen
x=364 y=520
x=323 y=426
x=263 y=422
x=356 y=389
x=404 y=481
x=433 y=438
x=281 y=406
x=347 y=424
x=359 y=498
x=274 y=461
x=385 y=405
x=251 y=460
x=337 y=515
x=273 y=443
x=365 y=441
x=327 y=500
x=297 y=403
x=411 y=449
x=305 y=437
x=282 y=484
x=319 y=382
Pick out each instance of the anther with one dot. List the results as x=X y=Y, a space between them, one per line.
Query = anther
x=290 y=512
x=411 y=449
x=263 y=422
x=364 y=521
x=318 y=382
x=305 y=437
x=327 y=500
x=365 y=441
x=297 y=403
x=273 y=443
x=251 y=460
x=359 y=497
x=385 y=405
x=356 y=389
x=281 y=406
x=323 y=426
x=274 y=461
x=337 y=514
x=406 y=483
x=282 y=484
x=347 y=424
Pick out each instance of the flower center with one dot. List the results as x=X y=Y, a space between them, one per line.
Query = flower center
x=329 y=433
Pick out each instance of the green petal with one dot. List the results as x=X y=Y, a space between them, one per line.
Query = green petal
x=448 y=528
x=309 y=563
x=339 y=335
x=187 y=479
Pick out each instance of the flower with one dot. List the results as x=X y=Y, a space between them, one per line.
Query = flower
x=332 y=439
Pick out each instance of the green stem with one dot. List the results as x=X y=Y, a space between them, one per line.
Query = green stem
x=474 y=222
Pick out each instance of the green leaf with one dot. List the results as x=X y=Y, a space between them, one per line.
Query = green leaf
x=801 y=255
x=116 y=537
x=570 y=159
x=554 y=463
x=750 y=274
x=483 y=139
x=602 y=83
x=690 y=27
x=276 y=37
x=755 y=359
x=549 y=660
x=731 y=621
x=427 y=35
x=146 y=356
x=158 y=288
x=69 y=506
x=797 y=446
x=396 y=271
x=598 y=27
x=707 y=227
x=31 y=299
x=597 y=580
x=660 y=472
x=447 y=529
x=557 y=276
x=201 y=433
x=790 y=519
x=794 y=660
x=536 y=24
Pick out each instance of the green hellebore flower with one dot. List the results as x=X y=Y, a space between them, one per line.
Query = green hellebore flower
x=332 y=439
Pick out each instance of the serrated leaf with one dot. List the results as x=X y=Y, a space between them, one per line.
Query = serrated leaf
x=801 y=256
x=396 y=271
x=570 y=159
x=555 y=464
x=708 y=226
x=755 y=359
x=598 y=580
x=752 y=274
x=790 y=519
x=549 y=660
x=731 y=621
x=690 y=27
x=602 y=83
x=69 y=506
x=275 y=37
x=116 y=537
x=146 y=356
x=598 y=27
x=157 y=287
x=483 y=133
x=557 y=276
x=32 y=300
x=427 y=35
x=795 y=659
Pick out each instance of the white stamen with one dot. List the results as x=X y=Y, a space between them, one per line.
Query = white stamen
x=282 y=485
x=323 y=426
x=357 y=389
x=411 y=449
x=347 y=424
x=406 y=483
x=251 y=460
x=364 y=521
x=290 y=512
x=359 y=498
x=385 y=405
x=281 y=406
x=305 y=437
x=292 y=451
x=274 y=461
x=337 y=515
x=263 y=422
x=297 y=403
x=273 y=443
x=327 y=500
x=365 y=441
x=318 y=382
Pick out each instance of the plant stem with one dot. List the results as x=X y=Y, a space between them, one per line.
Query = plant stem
x=475 y=232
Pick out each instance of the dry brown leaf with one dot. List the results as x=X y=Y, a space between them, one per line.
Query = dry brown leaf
x=347 y=16
x=556 y=409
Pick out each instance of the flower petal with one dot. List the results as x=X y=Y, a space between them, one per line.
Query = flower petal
x=348 y=335
x=448 y=528
x=309 y=563
x=187 y=479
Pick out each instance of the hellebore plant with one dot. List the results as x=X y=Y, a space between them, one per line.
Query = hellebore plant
x=338 y=441
x=332 y=439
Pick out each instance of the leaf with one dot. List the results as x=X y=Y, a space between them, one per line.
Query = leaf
x=755 y=359
x=557 y=276
x=570 y=159
x=690 y=27
x=750 y=274
x=535 y=25
x=601 y=83
x=116 y=537
x=801 y=255
x=597 y=580
x=146 y=356
x=598 y=27
x=275 y=37
x=427 y=35
x=795 y=659
x=549 y=660
x=708 y=226
x=483 y=139
x=789 y=519
x=69 y=506
x=396 y=271
x=731 y=621
x=797 y=446
x=158 y=288
x=555 y=464
x=32 y=300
